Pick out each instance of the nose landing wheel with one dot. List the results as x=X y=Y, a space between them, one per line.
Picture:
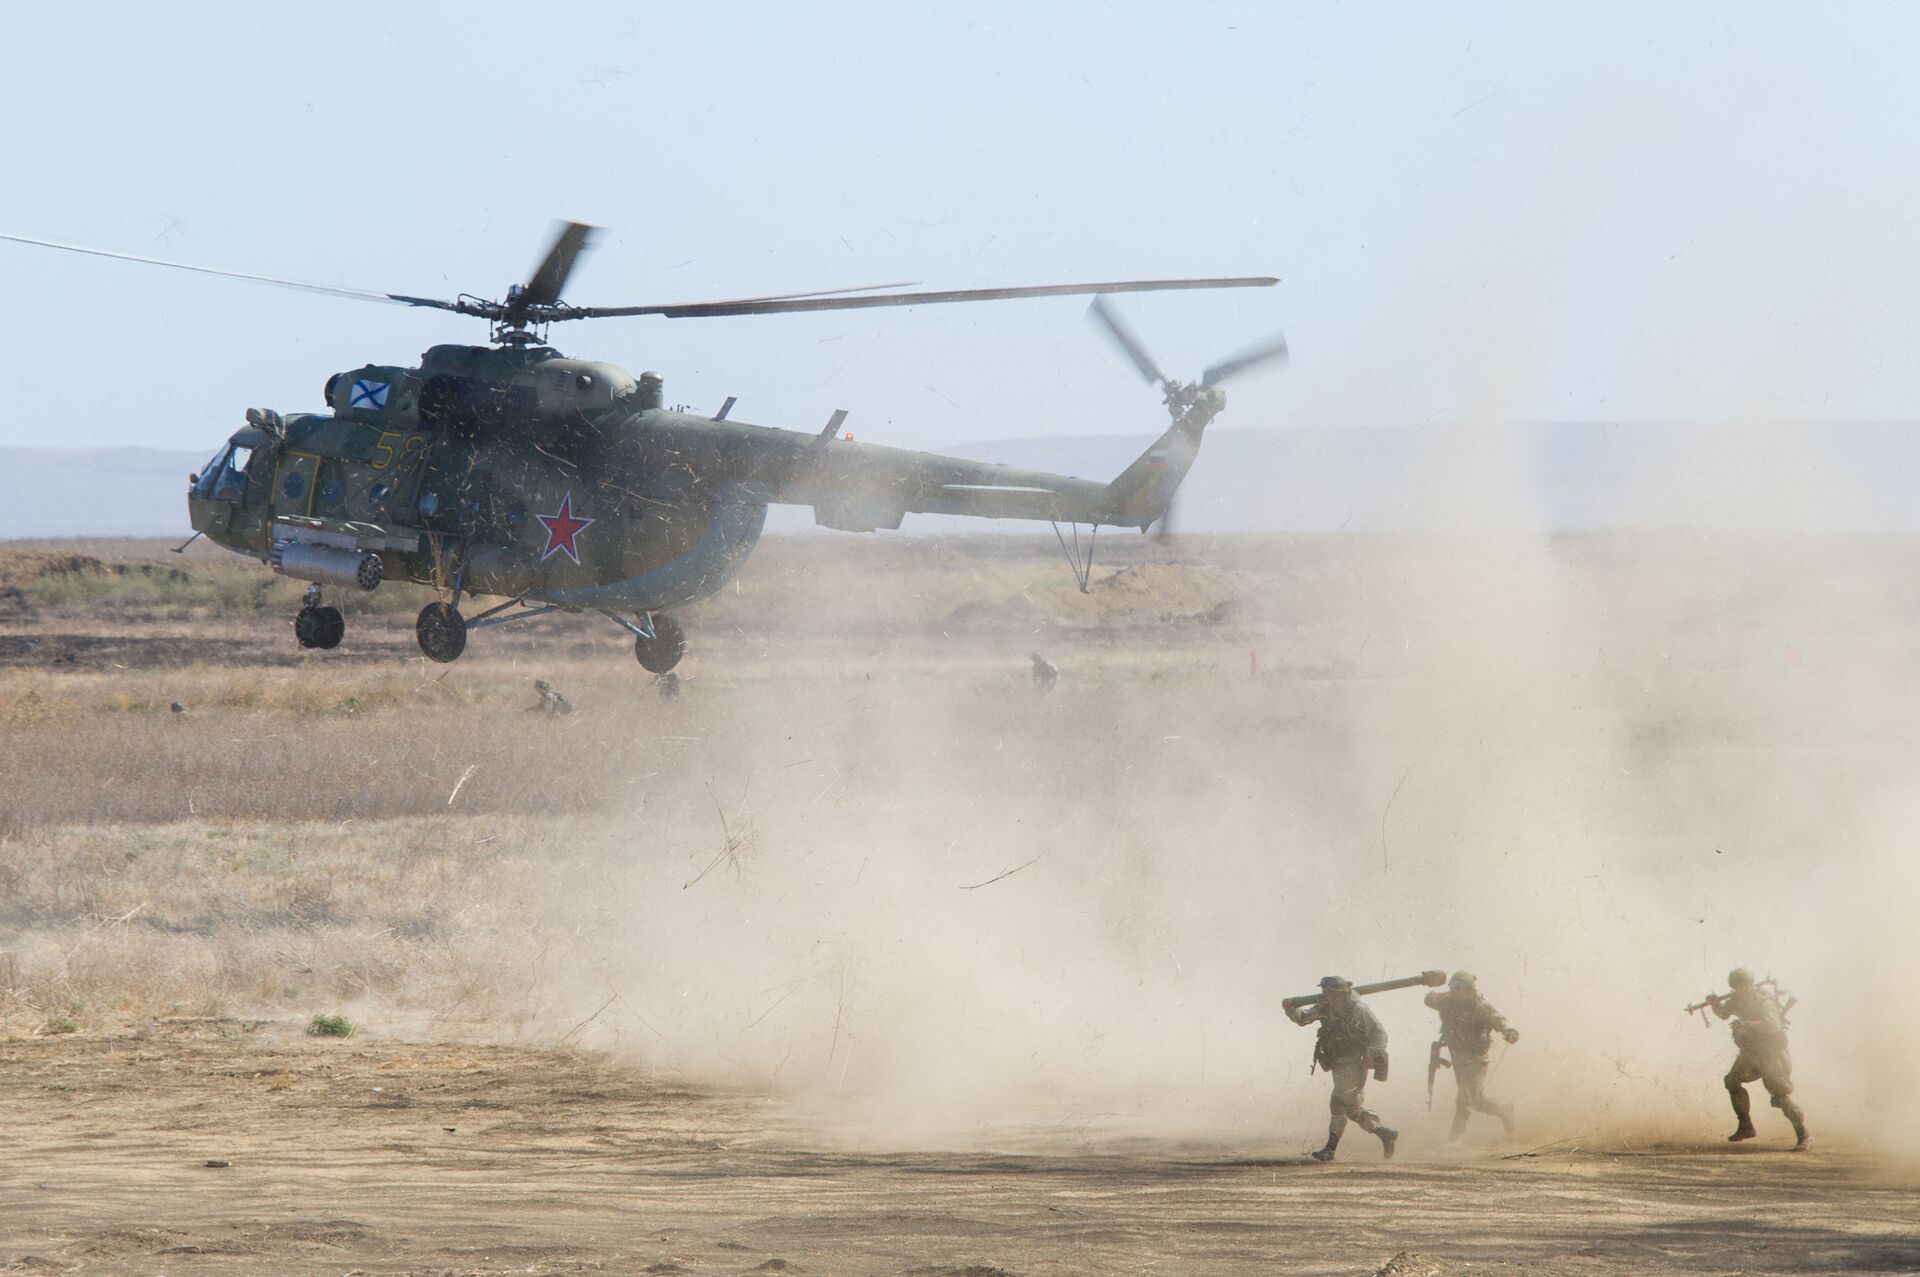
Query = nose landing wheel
x=317 y=626
x=442 y=632
x=662 y=650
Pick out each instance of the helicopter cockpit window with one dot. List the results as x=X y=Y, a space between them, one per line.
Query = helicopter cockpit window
x=204 y=477
x=225 y=478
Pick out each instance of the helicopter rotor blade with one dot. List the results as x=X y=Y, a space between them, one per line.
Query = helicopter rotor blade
x=360 y=294
x=1271 y=350
x=1123 y=337
x=776 y=297
x=551 y=275
x=822 y=301
x=539 y=300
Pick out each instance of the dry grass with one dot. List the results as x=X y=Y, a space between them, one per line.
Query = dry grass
x=266 y=851
x=318 y=832
x=111 y=923
x=69 y=581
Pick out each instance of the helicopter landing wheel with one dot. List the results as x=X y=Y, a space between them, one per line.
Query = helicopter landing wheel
x=442 y=632
x=663 y=651
x=321 y=627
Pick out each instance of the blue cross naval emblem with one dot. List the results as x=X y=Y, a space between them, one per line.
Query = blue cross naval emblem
x=368 y=394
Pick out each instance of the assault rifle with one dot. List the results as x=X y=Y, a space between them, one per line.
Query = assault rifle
x=1435 y=1062
x=1700 y=1008
x=1783 y=1002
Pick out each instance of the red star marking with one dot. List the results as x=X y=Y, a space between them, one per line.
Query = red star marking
x=562 y=527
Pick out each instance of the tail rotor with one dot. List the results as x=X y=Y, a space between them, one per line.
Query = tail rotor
x=1272 y=350
x=1200 y=400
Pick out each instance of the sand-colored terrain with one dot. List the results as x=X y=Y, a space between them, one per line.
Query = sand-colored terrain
x=865 y=956
x=389 y=1157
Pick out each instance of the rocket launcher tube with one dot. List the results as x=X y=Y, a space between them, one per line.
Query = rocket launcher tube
x=1432 y=979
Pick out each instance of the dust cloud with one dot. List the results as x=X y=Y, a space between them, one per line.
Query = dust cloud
x=1597 y=769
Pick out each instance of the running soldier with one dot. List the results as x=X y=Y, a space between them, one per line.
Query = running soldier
x=1351 y=1045
x=1467 y=1025
x=1760 y=1031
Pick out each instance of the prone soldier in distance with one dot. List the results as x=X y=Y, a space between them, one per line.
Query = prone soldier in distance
x=1467 y=1025
x=1759 y=1015
x=551 y=702
x=1351 y=1044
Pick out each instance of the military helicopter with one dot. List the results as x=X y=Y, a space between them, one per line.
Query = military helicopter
x=514 y=472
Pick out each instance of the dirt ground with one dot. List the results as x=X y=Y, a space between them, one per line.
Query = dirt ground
x=864 y=955
x=390 y=1157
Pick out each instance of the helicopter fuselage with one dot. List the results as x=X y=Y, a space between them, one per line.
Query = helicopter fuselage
x=520 y=473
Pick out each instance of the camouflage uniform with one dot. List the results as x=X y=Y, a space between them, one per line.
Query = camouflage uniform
x=1467 y=1025
x=1350 y=1044
x=1763 y=1057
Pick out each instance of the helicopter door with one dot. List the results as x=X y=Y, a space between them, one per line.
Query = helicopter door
x=295 y=482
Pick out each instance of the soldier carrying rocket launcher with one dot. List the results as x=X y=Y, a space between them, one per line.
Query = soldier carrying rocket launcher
x=1351 y=1044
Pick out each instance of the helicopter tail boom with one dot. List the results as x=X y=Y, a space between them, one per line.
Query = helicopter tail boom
x=859 y=487
x=1144 y=490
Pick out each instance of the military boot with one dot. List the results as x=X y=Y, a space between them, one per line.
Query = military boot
x=1743 y=1110
x=1505 y=1114
x=1387 y=1138
x=1459 y=1128
x=1326 y=1154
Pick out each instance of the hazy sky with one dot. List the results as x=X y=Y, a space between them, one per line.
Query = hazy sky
x=1619 y=211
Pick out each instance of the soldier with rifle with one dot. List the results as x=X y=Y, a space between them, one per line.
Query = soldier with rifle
x=1759 y=1014
x=1467 y=1025
x=1351 y=1044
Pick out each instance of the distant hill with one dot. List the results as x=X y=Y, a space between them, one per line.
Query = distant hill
x=62 y=492
x=1562 y=475
x=1308 y=478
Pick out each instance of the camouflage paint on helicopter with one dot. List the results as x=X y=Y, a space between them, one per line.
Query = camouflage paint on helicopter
x=557 y=483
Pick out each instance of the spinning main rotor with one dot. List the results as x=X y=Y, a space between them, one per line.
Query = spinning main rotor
x=528 y=308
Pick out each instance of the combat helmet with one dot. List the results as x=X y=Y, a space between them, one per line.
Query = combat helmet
x=1739 y=977
x=1335 y=984
x=1462 y=980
